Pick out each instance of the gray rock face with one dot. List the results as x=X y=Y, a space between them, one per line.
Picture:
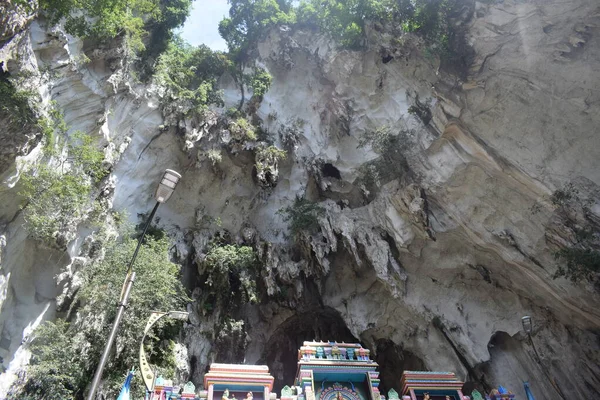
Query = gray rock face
x=428 y=255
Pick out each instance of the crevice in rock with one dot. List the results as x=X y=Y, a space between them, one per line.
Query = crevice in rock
x=510 y=239
x=472 y=375
x=483 y=271
x=149 y=143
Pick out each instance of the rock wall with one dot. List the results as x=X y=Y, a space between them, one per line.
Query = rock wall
x=431 y=263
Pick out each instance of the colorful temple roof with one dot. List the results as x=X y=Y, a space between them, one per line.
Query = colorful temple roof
x=326 y=371
x=242 y=377
x=430 y=380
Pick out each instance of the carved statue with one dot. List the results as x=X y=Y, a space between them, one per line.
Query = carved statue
x=320 y=353
x=362 y=354
x=476 y=395
x=340 y=396
x=335 y=352
x=426 y=396
x=189 y=388
x=286 y=391
x=225 y=395
x=249 y=396
x=393 y=395
x=350 y=353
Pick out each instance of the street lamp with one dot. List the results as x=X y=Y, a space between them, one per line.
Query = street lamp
x=528 y=328
x=527 y=324
x=165 y=189
x=147 y=373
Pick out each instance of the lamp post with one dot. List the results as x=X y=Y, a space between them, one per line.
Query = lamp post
x=165 y=189
x=147 y=372
x=528 y=328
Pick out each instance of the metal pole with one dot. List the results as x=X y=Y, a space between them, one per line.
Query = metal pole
x=129 y=277
x=135 y=253
x=111 y=337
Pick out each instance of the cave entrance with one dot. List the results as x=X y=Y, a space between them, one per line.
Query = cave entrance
x=393 y=360
x=281 y=353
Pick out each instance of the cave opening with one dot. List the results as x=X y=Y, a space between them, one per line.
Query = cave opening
x=281 y=351
x=393 y=360
x=330 y=171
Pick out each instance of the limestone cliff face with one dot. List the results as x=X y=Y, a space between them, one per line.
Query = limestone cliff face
x=430 y=263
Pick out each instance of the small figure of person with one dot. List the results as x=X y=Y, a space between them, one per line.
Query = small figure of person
x=225 y=395
x=426 y=396
x=249 y=396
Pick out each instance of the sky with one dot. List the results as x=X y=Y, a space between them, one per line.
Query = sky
x=202 y=26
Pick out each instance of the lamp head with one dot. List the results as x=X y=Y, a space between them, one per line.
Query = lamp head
x=180 y=315
x=167 y=185
x=527 y=324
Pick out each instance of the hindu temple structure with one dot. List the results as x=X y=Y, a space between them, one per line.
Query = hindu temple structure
x=326 y=371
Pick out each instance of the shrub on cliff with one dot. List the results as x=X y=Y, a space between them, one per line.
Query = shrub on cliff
x=580 y=258
x=190 y=73
x=14 y=107
x=242 y=130
x=303 y=216
x=231 y=273
x=266 y=163
x=260 y=82
x=58 y=195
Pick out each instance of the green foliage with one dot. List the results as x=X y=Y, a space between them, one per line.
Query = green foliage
x=191 y=73
x=579 y=263
x=343 y=20
x=430 y=20
x=260 y=82
x=108 y=19
x=58 y=196
x=157 y=287
x=561 y=197
x=55 y=370
x=233 y=113
x=249 y=20
x=268 y=156
x=64 y=356
x=14 y=105
x=380 y=139
x=580 y=260
x=51 y=126
x=422 y=110
x=214 y=155
x=86 y=157
x=242 y=130
x=231 y=272
x=390 y=165
x=54 y=201
x=303 y=216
